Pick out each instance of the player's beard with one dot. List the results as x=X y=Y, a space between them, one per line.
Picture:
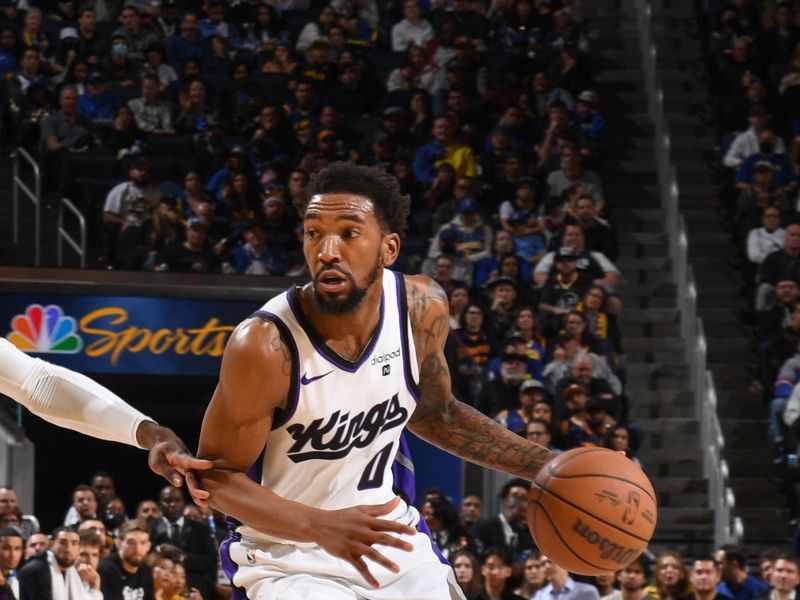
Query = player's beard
x=343 y=306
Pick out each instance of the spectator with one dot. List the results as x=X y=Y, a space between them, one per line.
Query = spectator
x=152 y=115
x=11 y=549
x=540 y=431
x=138 y=37
x=471 y=511
x=507 y=530
x=186 y=541
x=255 y=257
x=561 y=584
x=562 y=292
x=315 y=29
x=631 y=581
x=600 y=236
x=125 y=574
x=502 y=306
x=469 y=354
x=36 y=544
x=124 y=135
x=516 y=419
x=92 y=45
x=782 y=170
x=91 y=544
x=533 y=574
x=122 y=71
x=187 y=45
x=496 y=572
x=444 y=148
x=413 y=31
x=580 y=428
x=446 y=531
x=572 y=171
x=618 y=438
x=670 y=579
x=779 y=265
x=473 y=236
x=52 y=574
x=766 y=562
x=502 y=393
x=467 y=571
x=85 y=504
x=590 y=119
x=148 y=511
x=586 y=370
x=784 y=579
x=8 y=51
x=66 y=129
x=736 y=582
x=704 y=577
x=97 y=103
x=598 y=268
x=302 y=110
x=763 y=241
x=194 y=255
x=195 y=112
x=747 y=143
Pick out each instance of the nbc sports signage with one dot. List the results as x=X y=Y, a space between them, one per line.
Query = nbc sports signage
x=122 y=334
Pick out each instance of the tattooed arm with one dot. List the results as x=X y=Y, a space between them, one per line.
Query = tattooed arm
x=254 y=381
x=442 y=420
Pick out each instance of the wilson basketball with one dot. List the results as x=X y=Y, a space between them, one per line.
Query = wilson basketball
x=592 y=510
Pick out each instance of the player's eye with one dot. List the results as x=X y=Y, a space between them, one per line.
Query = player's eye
x=352 y=233
x=311 y=234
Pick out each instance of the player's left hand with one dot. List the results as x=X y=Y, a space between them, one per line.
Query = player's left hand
x=169 y=456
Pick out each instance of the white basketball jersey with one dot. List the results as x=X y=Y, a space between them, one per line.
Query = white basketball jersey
x=334 y=444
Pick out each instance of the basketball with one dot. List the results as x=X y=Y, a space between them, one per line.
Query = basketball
x=592 y=510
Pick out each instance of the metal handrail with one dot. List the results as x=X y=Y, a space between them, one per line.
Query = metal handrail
x=34 y=196
x=720 y=497
x=63 y=236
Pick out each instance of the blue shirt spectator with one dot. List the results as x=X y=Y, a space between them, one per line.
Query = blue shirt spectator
x=97 y=102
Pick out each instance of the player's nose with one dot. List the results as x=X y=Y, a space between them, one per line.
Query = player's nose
x=329 y=249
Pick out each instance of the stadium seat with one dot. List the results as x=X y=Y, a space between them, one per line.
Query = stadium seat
x=89 y=165
x=175 y=144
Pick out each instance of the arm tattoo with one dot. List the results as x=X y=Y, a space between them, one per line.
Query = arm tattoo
x=276 y=345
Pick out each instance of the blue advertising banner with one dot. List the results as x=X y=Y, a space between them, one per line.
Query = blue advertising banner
x=122 y=334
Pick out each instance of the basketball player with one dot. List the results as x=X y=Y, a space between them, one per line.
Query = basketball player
x=71 y=400
x=314 y=392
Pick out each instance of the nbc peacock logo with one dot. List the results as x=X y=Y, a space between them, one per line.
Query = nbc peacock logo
x=46 y=330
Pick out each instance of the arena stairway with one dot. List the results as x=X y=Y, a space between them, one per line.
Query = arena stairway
x=756 y=482
x=658 y=387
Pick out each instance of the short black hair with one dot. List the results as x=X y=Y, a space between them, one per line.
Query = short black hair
x=512 y=483
x=391 y=205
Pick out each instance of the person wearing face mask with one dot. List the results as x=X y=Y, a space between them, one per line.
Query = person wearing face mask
x=783 y=179
x=121 y=71
x=747 y=142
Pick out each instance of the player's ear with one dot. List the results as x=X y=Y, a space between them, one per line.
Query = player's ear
x=390 y=248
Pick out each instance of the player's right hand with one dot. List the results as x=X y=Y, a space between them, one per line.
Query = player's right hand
x=352 y=534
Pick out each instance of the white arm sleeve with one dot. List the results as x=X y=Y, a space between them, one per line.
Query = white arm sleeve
x=66 y=398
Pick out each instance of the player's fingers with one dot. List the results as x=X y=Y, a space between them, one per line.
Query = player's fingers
x=184 y=462
x=199 y=494
x=361 y=567
x=379 y=558
x=394 y=526
x=384 y=539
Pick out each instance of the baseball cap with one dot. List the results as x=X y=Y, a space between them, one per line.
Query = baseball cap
x=566 y=253
x=96 y=77
x=237 y=149
x=515 y=336
x=197 y=222
x=68 y=33
x=272 y=200
x=531 y=384
x=392 y=112
x=468 y=204
x=325 y=133
x=763 y=165
x=588 y=96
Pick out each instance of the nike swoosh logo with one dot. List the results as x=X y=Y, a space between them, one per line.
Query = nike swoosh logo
x=306 y=380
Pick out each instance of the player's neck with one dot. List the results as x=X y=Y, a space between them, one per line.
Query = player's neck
x=346 y=334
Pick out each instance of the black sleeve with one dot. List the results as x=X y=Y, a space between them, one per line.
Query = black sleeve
x=110 y=581
x=34 y=583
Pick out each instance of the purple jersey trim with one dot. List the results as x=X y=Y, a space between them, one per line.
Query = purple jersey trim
x=412 y=386
x=404 y=480
x=323 y=348
x=229 y=567
x=282 y=416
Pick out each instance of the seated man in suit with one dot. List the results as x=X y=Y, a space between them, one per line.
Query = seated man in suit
x=186 y=541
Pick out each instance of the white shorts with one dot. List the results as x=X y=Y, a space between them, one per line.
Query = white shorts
x=275 y=571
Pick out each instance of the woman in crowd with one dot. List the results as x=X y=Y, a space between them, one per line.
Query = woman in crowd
x=670 y=581
x=281 y=61
x=618 y=438
x=458 y=297
x=468 y=573
x=533 y=576
x=193 y=195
